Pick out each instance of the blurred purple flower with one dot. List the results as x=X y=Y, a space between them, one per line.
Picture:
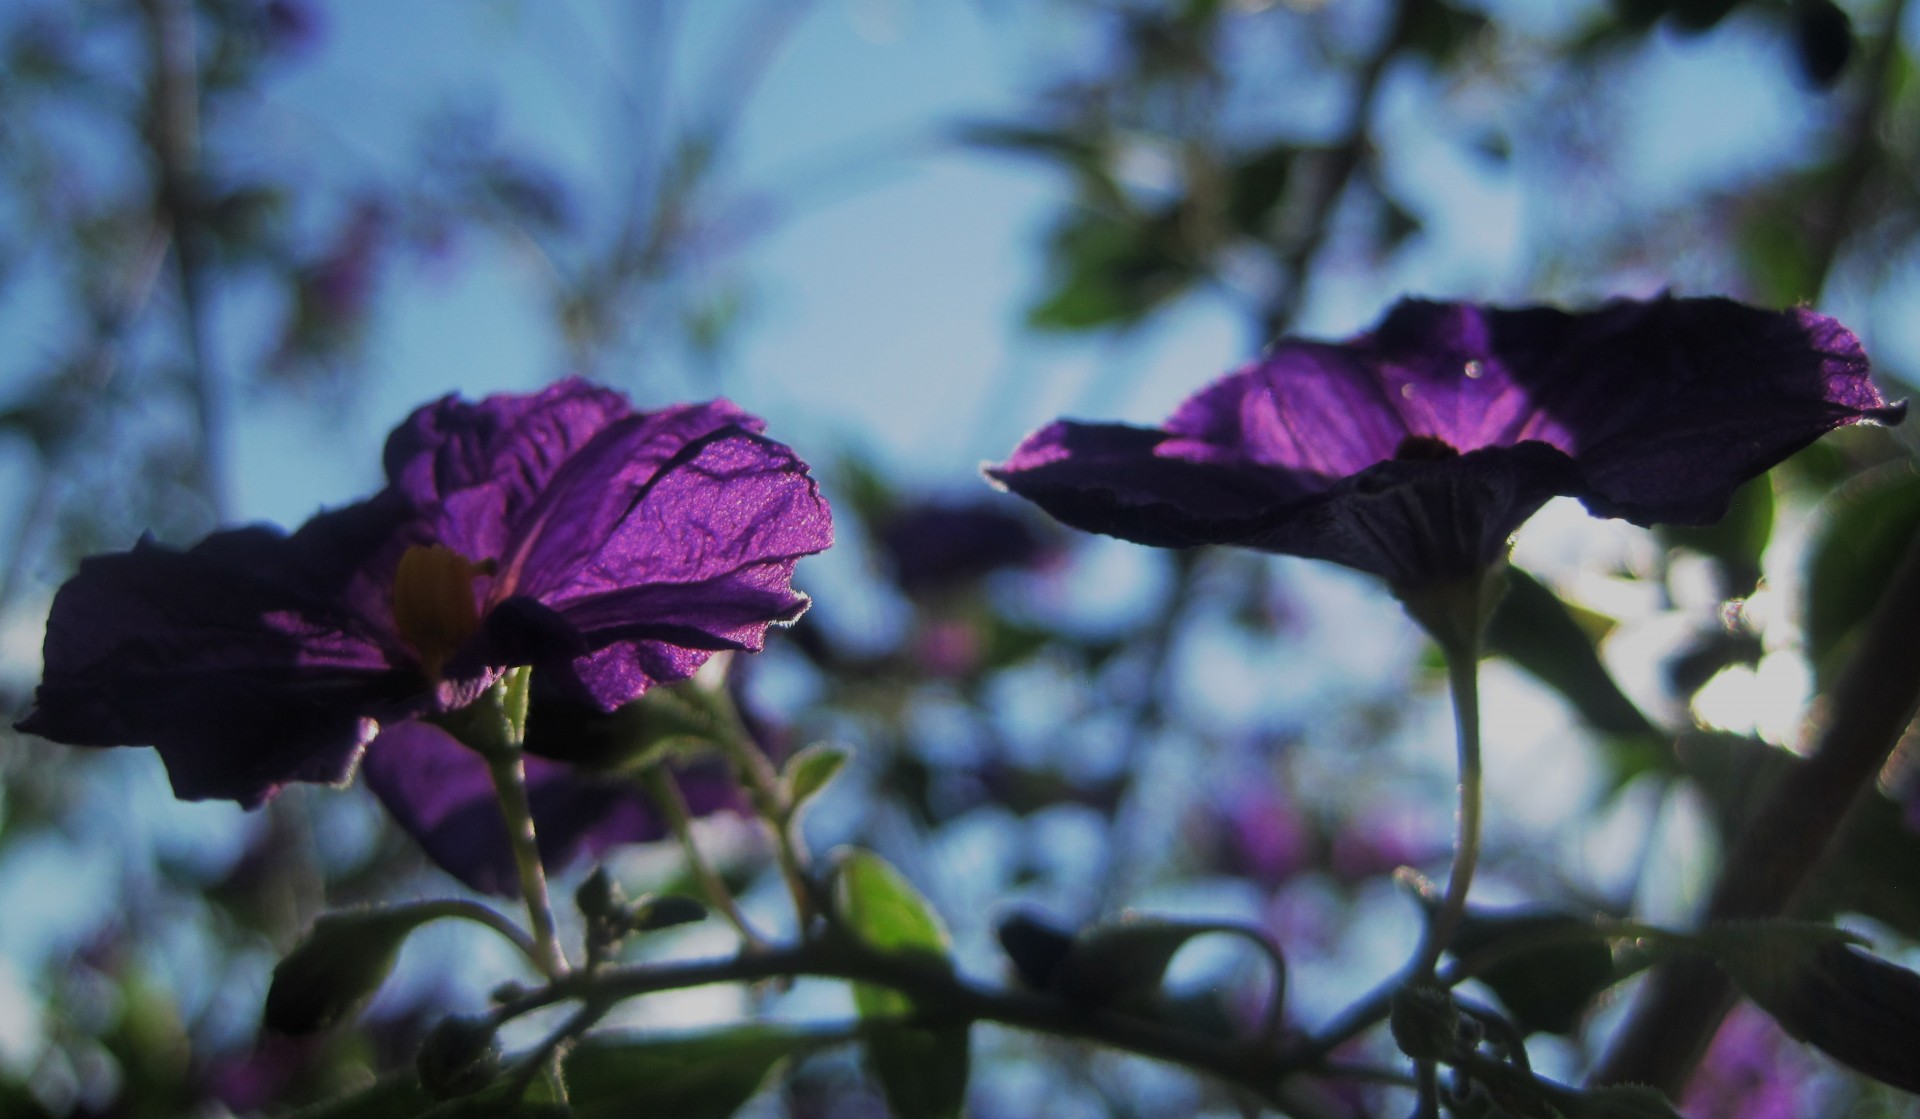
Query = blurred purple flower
x=609 y=549
x=1261 y=835
x=937 y=546
x=1752 y=1070
x=1413 y=452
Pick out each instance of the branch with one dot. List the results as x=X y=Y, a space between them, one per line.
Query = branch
x=1869 y=707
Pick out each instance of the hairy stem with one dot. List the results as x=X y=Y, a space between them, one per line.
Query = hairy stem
x=666 y=793
x=509 y=772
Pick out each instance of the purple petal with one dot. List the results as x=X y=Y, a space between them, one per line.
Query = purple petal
x=658 y=562
x=240 y=659
x=442 y=794
x=1414 y=451
x=486 y=469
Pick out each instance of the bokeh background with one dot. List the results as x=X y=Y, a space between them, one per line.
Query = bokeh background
x=241 y=239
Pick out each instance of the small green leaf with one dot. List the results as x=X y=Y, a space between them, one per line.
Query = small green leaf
x=699 y=1076
x=880 y=906
x=1547 y=985
x=922 y=1069
x=810 y=770
x=336 y=969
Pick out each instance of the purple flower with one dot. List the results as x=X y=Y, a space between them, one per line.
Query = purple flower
x=938 y=546
x=1414 y=451
x=609 y=549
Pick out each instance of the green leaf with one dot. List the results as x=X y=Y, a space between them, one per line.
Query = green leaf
x=1123 y=963
x=1113 y=269
x=923 y=1070
x=1867 y=527
x=878 y=905
x=809 y=771
x=1873 y=868
x=1546 y=987
x=339 y=965
x=1548 y=640
x=698 y=1076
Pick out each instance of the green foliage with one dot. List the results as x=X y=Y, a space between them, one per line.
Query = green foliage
x=810 y=771
x=1547 y=967
x=699 y=1076
x=337 y=968
x=922 y=1068
x=1866 y=528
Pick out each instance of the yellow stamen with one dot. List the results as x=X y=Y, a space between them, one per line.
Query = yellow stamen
x=433 y=602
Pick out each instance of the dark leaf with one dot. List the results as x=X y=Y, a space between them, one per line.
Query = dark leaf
x=1867 y=527
x=700 y=1076
x=923 y=1070
x=338 y=967
x=1872 y=869
x=1545 y=988
x=1035 y=948
x=1855 y=1007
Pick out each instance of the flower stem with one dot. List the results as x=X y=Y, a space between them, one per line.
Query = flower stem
x=510 y=788
x=770 y=802
x=666 y=793
x=1463 y=680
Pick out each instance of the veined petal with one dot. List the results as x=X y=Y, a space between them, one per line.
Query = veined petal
x=1415 y=450
x=240 y=660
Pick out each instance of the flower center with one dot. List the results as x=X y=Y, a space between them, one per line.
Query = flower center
x=1424 y=448
x=433 y=603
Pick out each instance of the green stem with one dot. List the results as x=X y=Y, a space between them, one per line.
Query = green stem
x=1463 y=680
x=770 y=803
x=673 y=804
x=509 y=774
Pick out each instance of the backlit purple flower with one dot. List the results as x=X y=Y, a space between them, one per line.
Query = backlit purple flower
x=1414 y=451
x=610 y=549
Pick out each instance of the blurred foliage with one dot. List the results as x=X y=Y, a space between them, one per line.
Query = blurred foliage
x=990 y=739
